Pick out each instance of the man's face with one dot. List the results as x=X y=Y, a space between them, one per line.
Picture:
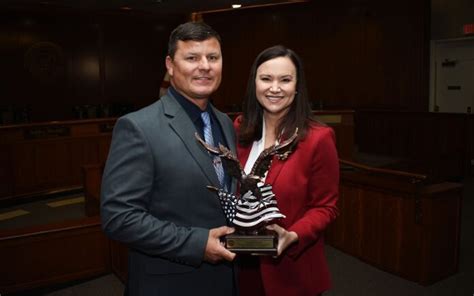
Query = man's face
x=196 y=69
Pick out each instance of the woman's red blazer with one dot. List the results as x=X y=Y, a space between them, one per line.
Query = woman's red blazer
x=306 y=186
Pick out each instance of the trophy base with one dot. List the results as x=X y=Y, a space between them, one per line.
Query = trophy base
x=259 y=245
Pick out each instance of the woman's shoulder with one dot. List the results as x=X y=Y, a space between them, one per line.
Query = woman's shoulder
x=318 y=131
x=318 y=128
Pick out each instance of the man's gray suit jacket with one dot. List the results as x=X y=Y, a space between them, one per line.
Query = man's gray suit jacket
x=154 y=199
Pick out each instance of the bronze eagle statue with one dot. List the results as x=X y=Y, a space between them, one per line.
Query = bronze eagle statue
x=261 y=166
x=257 y=206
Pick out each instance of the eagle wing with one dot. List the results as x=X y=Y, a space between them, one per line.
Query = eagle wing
x=282 y=150
x=262 y=164
x=231 y=164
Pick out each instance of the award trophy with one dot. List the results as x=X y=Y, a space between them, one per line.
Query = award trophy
x=256 y=207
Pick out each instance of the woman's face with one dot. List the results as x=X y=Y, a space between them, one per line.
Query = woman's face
x=276 y=85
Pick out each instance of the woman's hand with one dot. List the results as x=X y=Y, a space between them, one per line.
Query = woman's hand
x=285 y=238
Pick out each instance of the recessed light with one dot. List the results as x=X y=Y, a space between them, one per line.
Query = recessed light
x=236 y=5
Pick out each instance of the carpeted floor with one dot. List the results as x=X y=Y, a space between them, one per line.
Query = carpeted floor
x=54 y=209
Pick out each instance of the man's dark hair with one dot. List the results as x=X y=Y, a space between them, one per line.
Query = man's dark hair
x=195 y=31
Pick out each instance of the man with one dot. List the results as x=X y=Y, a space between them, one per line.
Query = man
x=154 y=196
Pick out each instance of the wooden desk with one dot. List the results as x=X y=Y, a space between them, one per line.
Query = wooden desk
x=438 y=144
x=342 y=122
x=396 y=222
x=92 y=184
x=44 y=157
x=52 y=254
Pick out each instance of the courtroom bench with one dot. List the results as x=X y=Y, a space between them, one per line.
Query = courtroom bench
x=39 y=158
x=394 y=220
x=52 y=254
x=398 y=221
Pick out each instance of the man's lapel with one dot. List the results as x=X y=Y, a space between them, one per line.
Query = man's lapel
x=182 y=125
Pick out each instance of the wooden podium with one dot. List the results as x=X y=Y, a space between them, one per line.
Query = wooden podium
x=92 y=178
x=398 y=222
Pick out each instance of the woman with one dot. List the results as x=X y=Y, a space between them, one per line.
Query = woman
x=305 y=184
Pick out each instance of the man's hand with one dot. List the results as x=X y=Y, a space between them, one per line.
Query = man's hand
x=285 y=238
x=215 y=251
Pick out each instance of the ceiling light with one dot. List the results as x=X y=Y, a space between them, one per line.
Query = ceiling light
x=236 y=5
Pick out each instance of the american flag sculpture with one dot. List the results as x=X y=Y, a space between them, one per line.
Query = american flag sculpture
x=257 y=206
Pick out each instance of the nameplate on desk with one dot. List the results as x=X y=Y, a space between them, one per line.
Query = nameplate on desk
x=46 y=132
x=329 y=118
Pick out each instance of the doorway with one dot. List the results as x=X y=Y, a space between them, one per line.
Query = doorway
x=452 y=75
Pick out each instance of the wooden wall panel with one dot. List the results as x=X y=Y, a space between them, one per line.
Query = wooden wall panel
x=409 y=240
x=436 y=144
x=356 y=54
x=82 y=58
x=370 y=228
x=24 y=170
x=92 y=184
x=119 y=259
x=92 y=178
x=82 y=151
x=134 y=52
x=398 y=223
x=53 y=160
x=51 y=163
x=445 y=231
x=52 y=254
x=44 y=157
x=352 y=220
x=6 y=186
x=49 y=64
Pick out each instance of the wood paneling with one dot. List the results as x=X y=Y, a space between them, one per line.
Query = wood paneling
x=45 y=157
x=52 y=254
x=342 y=122
x=398 y=223
x=356 y=53
x=92 y=185
x=92 y=177
x=80 y=58
x=119 y=260
x=436 y=144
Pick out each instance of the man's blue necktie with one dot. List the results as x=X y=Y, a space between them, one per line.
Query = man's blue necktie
x=210 y=141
